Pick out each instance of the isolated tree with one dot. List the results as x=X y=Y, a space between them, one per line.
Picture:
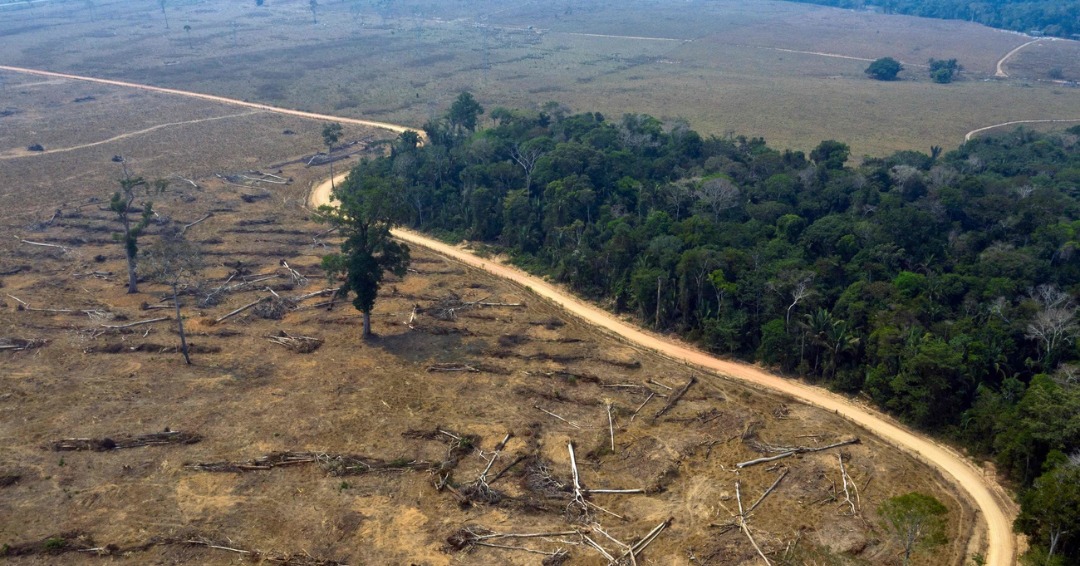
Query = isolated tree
x=122 y=203
x=915 y=521
x=314 y=5
x=369 y=206
x=163 y=13
x=464 y=112
x=174 y=261
x=187 y=30
x=884 y=69
x=331 y=133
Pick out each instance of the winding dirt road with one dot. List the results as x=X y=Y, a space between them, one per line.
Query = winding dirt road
x=973 y=133
x=996 y=509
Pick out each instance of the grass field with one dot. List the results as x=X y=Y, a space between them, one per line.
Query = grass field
x=728 y=67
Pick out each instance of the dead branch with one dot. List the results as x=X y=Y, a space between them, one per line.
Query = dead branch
x=611 y=426
x=675 y=398
x=578 y=496
x=20 y=344
x=42 y=244
x=746 y=529
x=505 y=469
x=449 y=367
x=794 y=451
x=139 y=323
x=545 y=411
x=299 y=344
x=107 y=444
x=640 y=545
x=846 y=480
x=199 y=221
x=316 y=294
x=299 y=279
x=642 y=405
x=768 y=491
x=480 y=489
x=240 y=310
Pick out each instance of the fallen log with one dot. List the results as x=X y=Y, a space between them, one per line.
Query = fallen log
x=240 y=310
x=675 y=398
x=796 y=450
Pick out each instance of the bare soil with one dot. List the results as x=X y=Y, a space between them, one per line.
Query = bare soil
x=335 y=454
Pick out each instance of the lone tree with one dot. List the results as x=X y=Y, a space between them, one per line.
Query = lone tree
x=331 y=133
x=163 y=13
x=884 y=69
x=914 y=520
x=187 y=30
x=368 y=207
x=122 y=203
x=174 y=261
x=314 y=5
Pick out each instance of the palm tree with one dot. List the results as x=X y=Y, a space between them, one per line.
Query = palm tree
x=187 y=29
x=163 y=13
x=314 y=7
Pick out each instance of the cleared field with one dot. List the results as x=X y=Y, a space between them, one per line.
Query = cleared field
x=732 y=67
x=484 y=371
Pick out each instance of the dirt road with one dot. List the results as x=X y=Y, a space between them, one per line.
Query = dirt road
x=972 y=133
x=996 y=509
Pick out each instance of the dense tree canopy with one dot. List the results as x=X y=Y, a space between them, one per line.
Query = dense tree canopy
x=941 y=286
x=1059 y=18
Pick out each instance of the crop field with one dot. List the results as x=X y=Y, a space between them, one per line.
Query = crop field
x=791 y=73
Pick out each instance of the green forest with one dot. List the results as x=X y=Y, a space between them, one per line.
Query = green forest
x=1060 y=18
x=939 y=285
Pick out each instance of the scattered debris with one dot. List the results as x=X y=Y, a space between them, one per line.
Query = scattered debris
x=122 y=442
x=298 y=344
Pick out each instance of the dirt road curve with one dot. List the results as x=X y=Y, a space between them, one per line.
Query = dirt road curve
x=996 y=510
x=973 y=133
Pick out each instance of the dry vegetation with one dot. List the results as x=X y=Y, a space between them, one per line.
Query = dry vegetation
x=727 y=66
x=279 y=449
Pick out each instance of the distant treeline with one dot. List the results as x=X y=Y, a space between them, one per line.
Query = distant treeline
x=940 y=285
x=1059 y=18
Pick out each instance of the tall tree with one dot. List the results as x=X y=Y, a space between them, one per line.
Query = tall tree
x=187 y=30
x=122 y=203
x=314 y=5
x=368 y=207
x=331 y=133
x=173 y=260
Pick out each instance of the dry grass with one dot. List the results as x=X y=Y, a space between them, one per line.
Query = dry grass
x=247 y=397
x=728 y=77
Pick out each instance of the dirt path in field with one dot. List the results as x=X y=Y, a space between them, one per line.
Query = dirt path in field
x=1000 y=73
x=992 y=501
x=16 y=153
x=212 y=98
x=994 y=504
x=972 y=133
